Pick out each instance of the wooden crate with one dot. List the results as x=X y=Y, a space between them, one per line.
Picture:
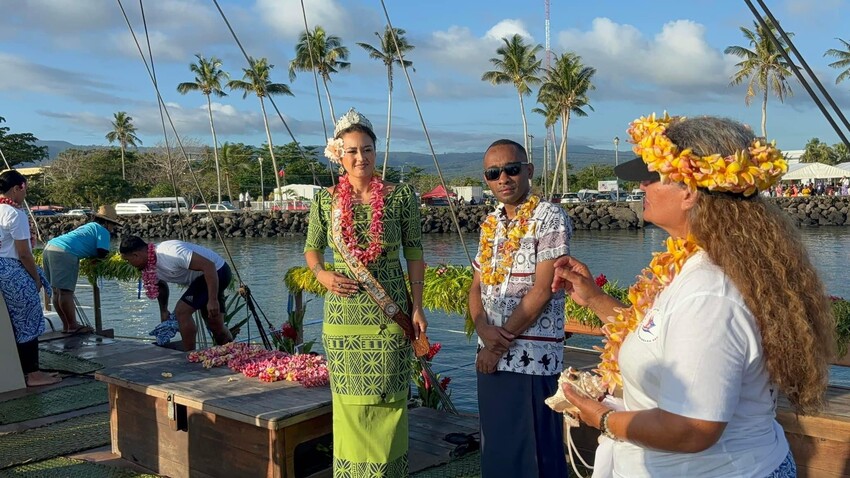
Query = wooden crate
x=210 y=423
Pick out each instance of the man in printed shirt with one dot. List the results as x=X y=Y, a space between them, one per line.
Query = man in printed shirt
x=519 y=321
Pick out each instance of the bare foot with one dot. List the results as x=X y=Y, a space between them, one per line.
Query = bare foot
x=40 y=379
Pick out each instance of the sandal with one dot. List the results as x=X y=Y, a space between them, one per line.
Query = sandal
x=81 y=329
x=41 y=379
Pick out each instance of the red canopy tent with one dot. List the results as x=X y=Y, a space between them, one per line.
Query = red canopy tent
x=438 y=192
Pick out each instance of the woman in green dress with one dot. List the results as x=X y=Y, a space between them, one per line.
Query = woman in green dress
x=368 y=222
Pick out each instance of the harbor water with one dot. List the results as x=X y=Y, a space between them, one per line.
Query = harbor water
x=262 y=263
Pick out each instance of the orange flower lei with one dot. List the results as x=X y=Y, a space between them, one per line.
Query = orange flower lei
x=745 y=172
x=521 y=223
x=653 y=279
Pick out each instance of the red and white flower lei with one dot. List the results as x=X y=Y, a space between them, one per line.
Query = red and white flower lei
x=376 y=228
x=149 y=277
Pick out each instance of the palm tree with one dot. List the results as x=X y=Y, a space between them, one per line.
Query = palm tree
x=517 y=64
x=124 y=132
x=233 y=159
x=564 y=90
x=842 y=62
x=208 y=79
x=550 y=119
x=257 y=81
x=391 y=43
x=329 y=56
x=763 y=66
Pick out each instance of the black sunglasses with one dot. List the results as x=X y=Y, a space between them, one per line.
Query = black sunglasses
x=512 y=169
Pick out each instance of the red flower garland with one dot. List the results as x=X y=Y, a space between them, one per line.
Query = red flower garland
x=149 y=277
x=376 y=228
x=5 y=200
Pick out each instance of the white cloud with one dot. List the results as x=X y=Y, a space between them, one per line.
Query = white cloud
x=338 y=18
x=677 y=60
x=461 y=50
x=508 y=28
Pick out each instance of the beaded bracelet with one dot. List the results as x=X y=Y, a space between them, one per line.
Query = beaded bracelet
x=417 y=282
x=603 y=425
x=319 y=267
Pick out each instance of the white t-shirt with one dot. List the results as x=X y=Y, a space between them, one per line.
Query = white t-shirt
x=173 y=258
x=698 y=353
x=13 y=227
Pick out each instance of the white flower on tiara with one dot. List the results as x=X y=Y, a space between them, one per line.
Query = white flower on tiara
x=349 y=119
x=334 y=150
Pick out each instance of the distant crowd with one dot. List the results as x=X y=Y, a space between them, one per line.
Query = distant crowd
x=817 y=188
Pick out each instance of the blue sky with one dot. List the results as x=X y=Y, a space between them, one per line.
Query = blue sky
x=67 y=65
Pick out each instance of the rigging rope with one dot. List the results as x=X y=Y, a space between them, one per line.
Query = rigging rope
x=271 y=100
x=172 y=177
x=179 y=142
x=452 y=208
x=796 y=70
x=318 y=94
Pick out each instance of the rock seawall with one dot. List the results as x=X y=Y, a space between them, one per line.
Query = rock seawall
x=805 y=212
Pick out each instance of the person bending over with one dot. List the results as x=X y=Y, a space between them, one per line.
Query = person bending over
x=204 y=272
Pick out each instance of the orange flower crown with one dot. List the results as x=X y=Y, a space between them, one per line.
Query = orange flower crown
x=744 y=172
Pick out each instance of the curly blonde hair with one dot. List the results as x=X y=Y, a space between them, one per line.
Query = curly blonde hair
x=759 y=249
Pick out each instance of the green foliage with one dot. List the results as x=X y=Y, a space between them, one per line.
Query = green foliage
x=110 y=268
x=583 y=315
x=589 y=177
x=818 y=152
x=232 y=306
x=90 y=178
x=841 y=311
x=447 y=289
x=426 y=392
x=302 y=279
x=19 y=147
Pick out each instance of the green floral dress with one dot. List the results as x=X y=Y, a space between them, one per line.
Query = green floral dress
x=368 y=354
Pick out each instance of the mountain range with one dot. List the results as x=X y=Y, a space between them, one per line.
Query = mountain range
x=452 y=164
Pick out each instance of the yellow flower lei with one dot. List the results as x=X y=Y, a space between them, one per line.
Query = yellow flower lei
x=653 y=279
x=496 y=275
x=744 y=172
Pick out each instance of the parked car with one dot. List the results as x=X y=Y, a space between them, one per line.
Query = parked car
x=213 y=207
x=78 y=212
x=126 y=208
x=45 y=212
x=569 y=198
x=635 y=197
x=602 y=197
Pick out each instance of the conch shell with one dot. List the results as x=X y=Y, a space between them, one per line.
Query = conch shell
x=585 y=383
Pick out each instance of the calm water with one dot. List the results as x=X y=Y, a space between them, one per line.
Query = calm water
x=620 y=255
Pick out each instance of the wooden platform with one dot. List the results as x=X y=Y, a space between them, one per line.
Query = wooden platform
x=179 y=419
x=820 y=443
x=128 y=358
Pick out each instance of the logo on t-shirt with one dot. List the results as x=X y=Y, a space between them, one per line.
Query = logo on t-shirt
x=647 y=329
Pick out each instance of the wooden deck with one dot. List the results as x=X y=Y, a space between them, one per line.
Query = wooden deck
x=220 y=399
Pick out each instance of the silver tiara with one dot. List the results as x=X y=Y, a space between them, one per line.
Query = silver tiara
x=349 y=119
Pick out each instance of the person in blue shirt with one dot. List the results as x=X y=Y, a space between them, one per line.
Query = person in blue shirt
x=61 y=261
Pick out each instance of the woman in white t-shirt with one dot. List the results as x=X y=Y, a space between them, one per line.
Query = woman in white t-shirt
x=20 y=279
x=732 y=314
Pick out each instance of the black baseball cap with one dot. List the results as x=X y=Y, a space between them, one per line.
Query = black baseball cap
x=635 y=170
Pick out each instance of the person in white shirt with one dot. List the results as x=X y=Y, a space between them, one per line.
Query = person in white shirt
x=21 y=279
x=731 y=315
x=205 y=274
